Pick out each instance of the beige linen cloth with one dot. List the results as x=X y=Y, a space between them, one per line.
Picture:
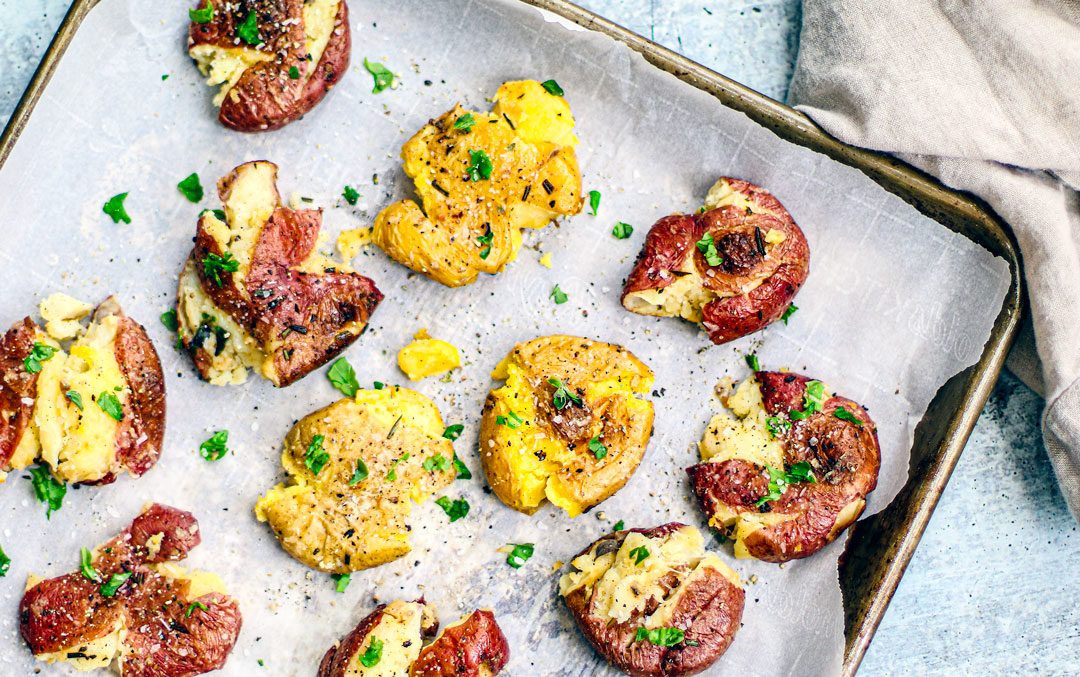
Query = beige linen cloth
x=985 y=95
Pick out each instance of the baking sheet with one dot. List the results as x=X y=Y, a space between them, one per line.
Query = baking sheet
x=895 y=304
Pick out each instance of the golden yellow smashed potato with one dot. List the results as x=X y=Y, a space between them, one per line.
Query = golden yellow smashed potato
x=427 y=356
x=570 y=425
x=353 y=467
x=481 y=178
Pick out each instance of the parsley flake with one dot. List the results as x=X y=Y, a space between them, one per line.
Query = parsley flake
x=455 y=509
x=5 y=563
x=777 y=426
x=618 y=526
x=110 y=404
x=436 y=462
x=813 y=401
x=75 y=398
x=343 y=377
x=780 y=480
x=639 y=554
x=169 y=319
x=249 y=30
x=789 y=312
x=316 y=457
x=621 y=231
x=845 y=415
x=485 y=240
x=201 y=16
x=294 y=73
x=465 y=122
x=115 y=581
x=392 y=474
x=114 y=208
x=661 y=636
x=341 y=581
x=480 y=166
x=707 y=247
x=350 y=194
x=463 y=472
x=558 y=295
x=383 y=77
x=86 y=565
x=552 y=87
x=371 y=657
x=453 y=432
x=47 y=489
x=40 y=352
x=191 y=188
x=562 y=397
x=214 y=266
x=594 y=201
x=214 y=449
x=520 y=554
x=597 y=448
x=752 y=362
x=360 y=473
x=192 y=607
x=511 y=420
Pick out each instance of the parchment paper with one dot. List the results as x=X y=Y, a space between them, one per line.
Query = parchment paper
x=895 y=304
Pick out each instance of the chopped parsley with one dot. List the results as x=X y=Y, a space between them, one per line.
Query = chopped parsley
x=191 y=188
x=214 y=448
x=752 y=362
x=562 y=397
x=594 y=201
x=249 y=30
x=455 y=509
x=383 y=77
x=350 y=194
x=294 y=73
x=201 y=16
x=708 y=249
x=511 y=420
x=360 y=473
x=453 y=432
x=779 y=480
x=316 y=457
x=558 y=295
x=463 y=472
x=618 y=526
x=639 y=554
x=371 y=657
x=552 y=87
x=465 y=122
x=845 y=415
x=342 y=581
x=485 y=240
x=214 y=266
x=343 y=377
x=660 y=636
x=777 y=426
x=114 y=208
x=110 y=404
x=47 y=489
x=436 y=462
x=813 y=400
x=391 y=475
x=115 y=581
x=192 y=607
x=520 y=554
x=480 y=166
x=5 y=563
x=621 y=231
x=75 y=398
x=86 y=565
x=789 y=312
x=168 y=318
x=378 y=385
x=41 y=352
x=597 y=448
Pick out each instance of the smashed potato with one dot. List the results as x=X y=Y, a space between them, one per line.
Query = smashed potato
x=734 y=268
x=133 y=607
x=653 y=602
x=254 y=293
x=791 y=471
x=90 y=412
x=426 y=356
x=482 y=178
x=396 y=639
x=569 y=426
x=353 y=468
x=274 y=60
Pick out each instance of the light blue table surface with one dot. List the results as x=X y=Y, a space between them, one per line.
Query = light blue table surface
x=993 y=588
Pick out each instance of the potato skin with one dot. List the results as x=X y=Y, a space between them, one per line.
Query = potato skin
x=619 y=418
x=17 y=386
x=473 y=647
x=265 y=97
x=709 y=612
x=845 y=458
x=159 y=641
x=747 y=291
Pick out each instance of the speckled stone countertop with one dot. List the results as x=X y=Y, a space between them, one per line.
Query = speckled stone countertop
x=992 y=588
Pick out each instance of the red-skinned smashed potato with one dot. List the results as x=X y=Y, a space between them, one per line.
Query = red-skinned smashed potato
x=791 y=472
x=255 y=293
x=391 y=641
x=653 y=602
x=89 y=412
x=135 y=606
x=274 y=68
x=733 y=268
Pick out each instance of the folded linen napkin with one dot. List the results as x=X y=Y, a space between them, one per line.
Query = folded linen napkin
x=982 y=94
